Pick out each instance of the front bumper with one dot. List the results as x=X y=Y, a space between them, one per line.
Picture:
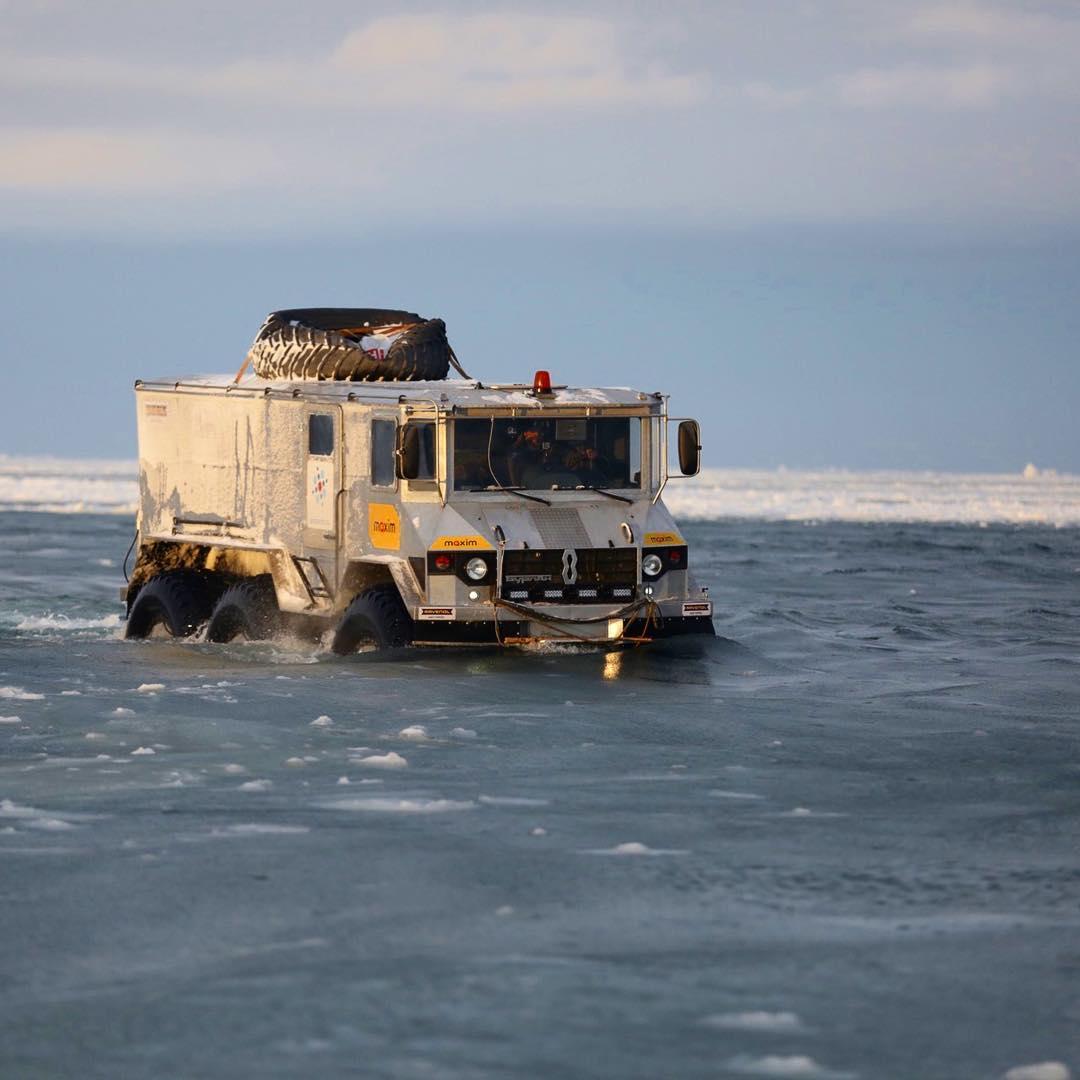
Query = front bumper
x=559 y=623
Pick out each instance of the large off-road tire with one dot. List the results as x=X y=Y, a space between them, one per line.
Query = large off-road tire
x=178 y=601
x=324 y=343
x=248 y=609
x=374 y=617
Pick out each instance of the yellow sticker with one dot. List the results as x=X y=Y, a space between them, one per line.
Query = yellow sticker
x=384 y=526
x=461 y=543
x=661 y=539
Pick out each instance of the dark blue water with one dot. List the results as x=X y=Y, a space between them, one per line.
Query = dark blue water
x=844 y=840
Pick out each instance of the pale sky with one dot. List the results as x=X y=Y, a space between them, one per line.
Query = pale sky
x=207 y=115
x=842 y=234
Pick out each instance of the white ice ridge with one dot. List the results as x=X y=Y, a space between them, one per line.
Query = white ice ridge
x=68 y=485
x=1028 y=496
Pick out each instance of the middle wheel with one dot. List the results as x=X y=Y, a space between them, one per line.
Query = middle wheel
x=374 y=617
x=247 y=610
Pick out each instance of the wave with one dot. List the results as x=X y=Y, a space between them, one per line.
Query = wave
x=60 y=485
x=58 y=621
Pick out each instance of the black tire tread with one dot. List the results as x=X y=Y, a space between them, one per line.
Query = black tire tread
x=247 y=608
x=180 y=600
x=375 y=615
x=286 y=350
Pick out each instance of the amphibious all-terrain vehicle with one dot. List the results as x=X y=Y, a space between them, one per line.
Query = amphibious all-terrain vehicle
x=347 y=484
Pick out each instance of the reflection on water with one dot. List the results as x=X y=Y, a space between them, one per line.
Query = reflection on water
x=613 y=664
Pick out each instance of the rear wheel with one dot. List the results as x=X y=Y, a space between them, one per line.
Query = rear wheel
x=177 y=603
x=374 y=617
x=247 y=610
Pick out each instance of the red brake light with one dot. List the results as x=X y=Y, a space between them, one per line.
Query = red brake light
x=443 y=562
x=674 y=556
x=542 y=383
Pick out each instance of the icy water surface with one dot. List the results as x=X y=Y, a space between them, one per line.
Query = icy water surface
x=841 y=841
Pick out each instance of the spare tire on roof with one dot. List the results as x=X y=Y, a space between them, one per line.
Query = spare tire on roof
x=354 y=344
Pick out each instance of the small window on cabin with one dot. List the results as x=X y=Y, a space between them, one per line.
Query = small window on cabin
x=320 y=434
x=426 y=446
x=383 y=437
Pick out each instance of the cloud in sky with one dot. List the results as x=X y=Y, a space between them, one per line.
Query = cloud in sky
x=977 y=86
x=82 y=159
x=486 y=63
x=715 y=113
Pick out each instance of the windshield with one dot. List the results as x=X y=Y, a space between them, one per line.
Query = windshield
x=563 y=452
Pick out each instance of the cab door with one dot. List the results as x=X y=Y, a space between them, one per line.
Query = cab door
x=322 y=510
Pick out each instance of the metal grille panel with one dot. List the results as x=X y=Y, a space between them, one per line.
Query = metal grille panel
x=601 y=575
x=560 y=528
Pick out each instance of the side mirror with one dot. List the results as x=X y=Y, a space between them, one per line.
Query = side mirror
x=689 y=448
x=408 y=452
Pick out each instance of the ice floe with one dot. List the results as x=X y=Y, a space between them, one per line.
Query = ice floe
x=322 y=721
x=391 y=760
x=256 y=785
x=1043 y=1070
x=510 y=800
x=10 y=720
x=17 y=693
x=31 y=817
x=256 y=828
x=785 y=1065
x=777 y=1023
x=400 y=806
x=415 y=732
x=633 y=847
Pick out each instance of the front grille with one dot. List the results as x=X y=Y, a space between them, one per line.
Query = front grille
x=539 y=575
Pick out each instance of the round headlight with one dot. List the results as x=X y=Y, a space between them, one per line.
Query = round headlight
x=651 y=565
x=476 y=569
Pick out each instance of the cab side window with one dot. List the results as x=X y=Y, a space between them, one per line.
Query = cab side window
x=383 y=435
x=321 y=434
x=426 y=433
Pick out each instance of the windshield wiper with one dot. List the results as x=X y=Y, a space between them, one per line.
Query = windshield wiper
x=598 y=490
x=514 y=491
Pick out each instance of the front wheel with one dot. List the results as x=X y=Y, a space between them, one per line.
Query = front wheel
x=246 y=610
x=374 y=617
x=177 y=602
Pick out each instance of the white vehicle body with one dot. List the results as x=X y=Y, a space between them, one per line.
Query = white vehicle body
x=304 y=481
